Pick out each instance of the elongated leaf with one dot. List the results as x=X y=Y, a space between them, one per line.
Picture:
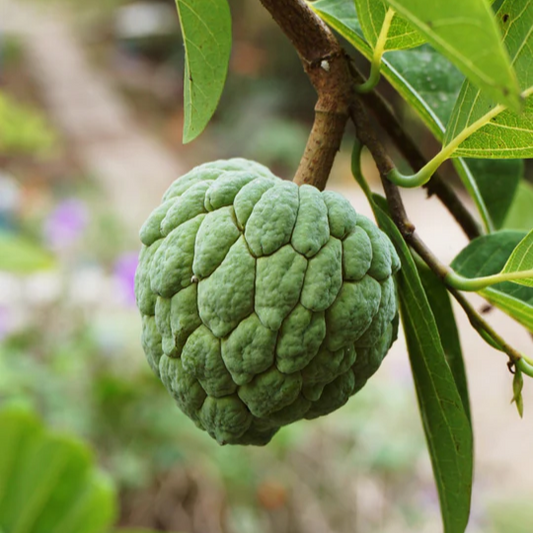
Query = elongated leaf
x=206 y=29
x=510 y=134
x=465 y=31
x=439 y=300
x=487 y=255
x=519 y=307
x=520 y=215
x=447 y=428
x=522 y=259
x=48 y=482
x=498 y=182
x=424 y=78
x=401 y=34
x=432 y=77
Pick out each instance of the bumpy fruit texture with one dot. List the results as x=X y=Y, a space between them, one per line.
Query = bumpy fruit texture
x=263 y=303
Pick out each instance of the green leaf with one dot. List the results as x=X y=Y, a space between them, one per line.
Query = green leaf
x=447 y=428
x=522 y=259
x=424 y=78
x=432 y=79
x=520 y=306
x=22 y=256
x=486 y=256
x=510 y=134
x=401 y=34
x=520 y=215
x=439 y=300
x=518 y=384
x=48 y=482
x=498 y=182
x=405 y=70
x=206 y=29
x=466 y=32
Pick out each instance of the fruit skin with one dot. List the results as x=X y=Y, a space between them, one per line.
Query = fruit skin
x=262 y=302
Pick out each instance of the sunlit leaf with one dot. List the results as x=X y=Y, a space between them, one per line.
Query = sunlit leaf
x=342 y=17
x=466 y=32
x=487 y=255
x=424 y=78
x=522 y=259
x=509 y=134
x=206 y=29
x=401 y=34
x=520 y=215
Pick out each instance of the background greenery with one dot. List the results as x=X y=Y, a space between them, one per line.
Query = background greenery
x=69 y=330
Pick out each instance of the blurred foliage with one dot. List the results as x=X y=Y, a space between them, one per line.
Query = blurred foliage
x=81 y=379
x=81 y=367
x=511 y=516
x=11 y=51
x=23 y=129
x=21 y=255
x=48 y=481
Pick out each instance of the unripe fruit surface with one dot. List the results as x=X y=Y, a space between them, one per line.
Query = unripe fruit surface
x=263 y=303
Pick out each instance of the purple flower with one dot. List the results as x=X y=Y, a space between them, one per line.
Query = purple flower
x=66 y=224
x=124 y=274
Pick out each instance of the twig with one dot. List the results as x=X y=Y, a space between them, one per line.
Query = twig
x=326 y=65
x=366 y=136
x=328 y=69
x=408 y=148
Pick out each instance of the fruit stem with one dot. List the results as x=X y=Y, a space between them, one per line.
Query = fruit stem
x=326 y=66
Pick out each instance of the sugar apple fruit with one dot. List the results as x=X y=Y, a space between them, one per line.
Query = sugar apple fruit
x=262 y=302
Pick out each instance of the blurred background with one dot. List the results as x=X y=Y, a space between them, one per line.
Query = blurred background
x=90 y=137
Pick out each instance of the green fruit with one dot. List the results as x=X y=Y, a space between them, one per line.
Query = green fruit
x=263 y=303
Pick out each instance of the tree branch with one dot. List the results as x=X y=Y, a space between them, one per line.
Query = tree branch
x=436 y=186
x=326 y=65
x=404 y=142
x=366 y=136
x=329 y=70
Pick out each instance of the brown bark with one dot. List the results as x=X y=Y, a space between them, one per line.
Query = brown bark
x=327 y=67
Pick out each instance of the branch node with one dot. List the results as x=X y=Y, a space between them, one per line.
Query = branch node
x=326 y=65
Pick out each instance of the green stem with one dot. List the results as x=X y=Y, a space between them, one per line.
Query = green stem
x=525 y=365
x=424 y=174
x=472 y=188
x=478 y=323
x=476 y=284
x=356 y=169
x=379 y=50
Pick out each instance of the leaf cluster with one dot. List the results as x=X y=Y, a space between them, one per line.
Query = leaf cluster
x=465 y=67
